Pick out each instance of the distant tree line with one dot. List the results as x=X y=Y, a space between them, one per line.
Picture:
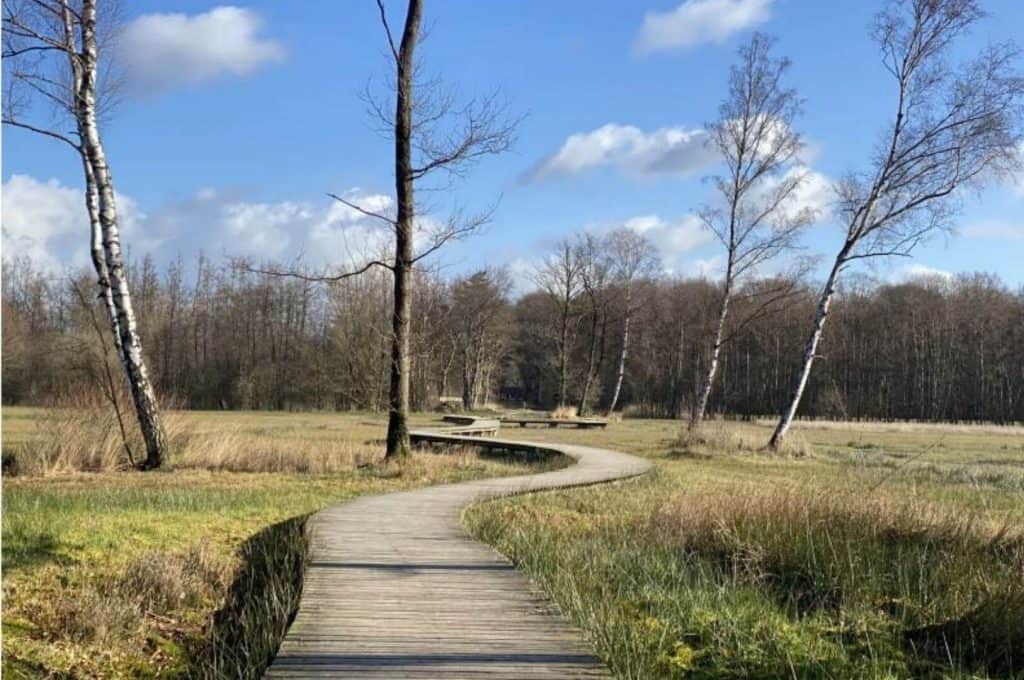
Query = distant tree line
x=221 y=337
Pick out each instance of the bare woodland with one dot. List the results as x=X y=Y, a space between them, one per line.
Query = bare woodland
x=604 y=328
x=225 y=338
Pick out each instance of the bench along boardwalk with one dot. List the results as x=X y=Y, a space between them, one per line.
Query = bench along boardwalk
x=396 y=588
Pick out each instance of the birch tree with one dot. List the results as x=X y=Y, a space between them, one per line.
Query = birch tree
x=633 y=257
x=52 y=62
x=953 y=127
x=757 y=219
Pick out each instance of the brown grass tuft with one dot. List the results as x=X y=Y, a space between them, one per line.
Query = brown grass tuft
x=81 y=434
x=564 y=413
x=159 y=583
x=713 y=439
x=235 y=450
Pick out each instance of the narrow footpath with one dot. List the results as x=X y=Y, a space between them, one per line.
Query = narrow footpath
x=396 y=588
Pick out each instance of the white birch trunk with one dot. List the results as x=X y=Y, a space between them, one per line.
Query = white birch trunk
x=99 y=258
x=621 y=373
x=700 y=408
x=130 y=344
x=810 y=351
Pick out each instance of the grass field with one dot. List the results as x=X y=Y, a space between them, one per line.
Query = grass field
x=119 y=573
x=880 y=553
x=887 y=551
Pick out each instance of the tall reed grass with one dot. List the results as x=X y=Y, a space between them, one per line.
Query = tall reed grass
x=773 y=582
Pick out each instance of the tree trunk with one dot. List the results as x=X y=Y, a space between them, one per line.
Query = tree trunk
x=99 y=258
x=701 y=405
x=563 y=354
x=591 y=365
x=398 y=414
x=810 y=350
x=622 y=355
x=129 y=342
x=467 y=380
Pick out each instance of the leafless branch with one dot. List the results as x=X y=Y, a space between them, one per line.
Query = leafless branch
x=42 y=131
x=387 y=29
x=358 y=208
x=244 y=264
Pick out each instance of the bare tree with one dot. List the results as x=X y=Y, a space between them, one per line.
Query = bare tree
x=757 y=219
x=51 y=53
x=952 y=128
x=479 y=302
x=560 y=277
x=595 y=276
x=633 y=257
x=433 y=135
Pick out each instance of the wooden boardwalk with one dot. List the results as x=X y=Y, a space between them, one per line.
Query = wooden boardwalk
x=580 y=423
x=396 y=588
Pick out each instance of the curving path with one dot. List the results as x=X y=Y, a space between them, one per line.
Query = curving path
x=396 y=588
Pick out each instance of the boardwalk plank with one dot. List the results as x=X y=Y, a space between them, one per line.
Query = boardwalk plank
x=396 y=588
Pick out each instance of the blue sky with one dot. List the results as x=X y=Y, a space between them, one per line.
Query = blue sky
x=237 y=120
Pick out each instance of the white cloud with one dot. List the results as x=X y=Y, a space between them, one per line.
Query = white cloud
x=705 y=268
x=163 y=51
x=343 y=235
x=48 y=223
x=260 y=228
x=672 y=239
x=1005 y=231
x=38 y=214
x=666 y=151
x=697 y=22
x=225 y=223
x=814 y=193
x=918 y=272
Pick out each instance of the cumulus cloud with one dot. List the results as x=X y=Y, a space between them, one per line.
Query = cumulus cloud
x=343 y=234
x=665 y=151
x=918 y=272
x=47 y=222
x=225 y=222
x=815 y=193
x=163 y=51
x=260 y=228
x=37 y=215
x=705 y=268
x=697 y=22
x=672 y=239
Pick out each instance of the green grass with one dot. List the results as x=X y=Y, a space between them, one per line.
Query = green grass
x=121 y=573
x=890 y=551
